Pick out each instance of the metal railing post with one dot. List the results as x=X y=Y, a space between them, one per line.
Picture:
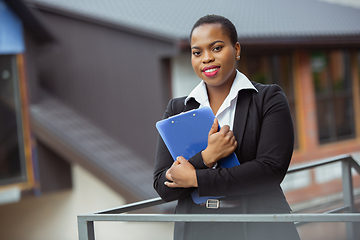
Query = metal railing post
x=348 y=196
x=86 y=229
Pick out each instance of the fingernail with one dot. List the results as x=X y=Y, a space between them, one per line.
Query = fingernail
x=165 y=183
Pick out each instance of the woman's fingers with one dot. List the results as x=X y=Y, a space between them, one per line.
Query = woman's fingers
x=182 y=174
x=225 y=129
x=230 y=134
x=214 y=127
x=220 y=145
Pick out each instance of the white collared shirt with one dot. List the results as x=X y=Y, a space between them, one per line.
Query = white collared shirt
x=226 y=112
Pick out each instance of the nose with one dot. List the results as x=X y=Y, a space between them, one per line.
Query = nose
x=207 y=57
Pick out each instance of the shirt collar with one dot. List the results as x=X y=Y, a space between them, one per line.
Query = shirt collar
x=241 y=82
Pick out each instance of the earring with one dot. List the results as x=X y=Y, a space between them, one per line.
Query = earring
x=238 y=57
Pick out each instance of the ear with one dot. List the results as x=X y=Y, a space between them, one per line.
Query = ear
x=237 y=49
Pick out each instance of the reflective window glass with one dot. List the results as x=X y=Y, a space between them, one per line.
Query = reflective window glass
x=12 y=160
x=333 y=85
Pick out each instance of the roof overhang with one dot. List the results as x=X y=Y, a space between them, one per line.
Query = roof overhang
x=114 y=25
x=289 y=42
x=306 y=42
x=32 y=21
x=72 y=136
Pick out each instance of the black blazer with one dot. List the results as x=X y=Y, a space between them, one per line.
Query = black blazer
x=265 y=135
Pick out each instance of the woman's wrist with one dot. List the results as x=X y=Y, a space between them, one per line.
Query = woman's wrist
x=208 y=158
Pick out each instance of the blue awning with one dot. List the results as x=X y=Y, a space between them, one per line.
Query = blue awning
x=11 y=31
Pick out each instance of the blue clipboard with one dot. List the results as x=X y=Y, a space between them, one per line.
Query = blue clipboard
x=186 y=134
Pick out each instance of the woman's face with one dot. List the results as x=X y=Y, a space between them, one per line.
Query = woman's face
x=213 y=55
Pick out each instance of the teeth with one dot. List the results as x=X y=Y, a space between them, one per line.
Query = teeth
x=211 y=70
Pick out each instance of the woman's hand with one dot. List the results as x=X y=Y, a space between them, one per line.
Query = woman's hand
x=182 y=174
x=220 y=144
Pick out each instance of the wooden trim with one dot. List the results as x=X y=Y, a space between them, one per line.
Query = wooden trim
x=298 y=104
x=25 y=122
x=356 y=91
x=305 y=103
x=22 y=186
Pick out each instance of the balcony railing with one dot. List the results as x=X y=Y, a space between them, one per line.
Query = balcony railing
x=348 y=213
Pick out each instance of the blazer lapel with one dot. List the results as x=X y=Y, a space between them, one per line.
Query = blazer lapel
x=191 y=104
x=241 y=114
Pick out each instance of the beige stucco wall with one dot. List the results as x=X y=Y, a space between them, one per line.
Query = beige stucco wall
x=54 y=215
x=183 y=77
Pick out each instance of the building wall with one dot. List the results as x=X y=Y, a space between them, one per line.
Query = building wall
x=183 y=77
x=324 y=181
x=54 y=215
x=32 y=49
x=114 y=78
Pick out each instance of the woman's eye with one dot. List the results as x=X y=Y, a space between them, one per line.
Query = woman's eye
x=196 y=53
x=217 y=48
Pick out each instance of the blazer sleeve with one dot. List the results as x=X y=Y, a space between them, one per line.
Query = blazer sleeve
x=274 y=149
x=164 y=160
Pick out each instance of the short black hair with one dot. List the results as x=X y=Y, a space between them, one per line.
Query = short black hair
x=227 y=26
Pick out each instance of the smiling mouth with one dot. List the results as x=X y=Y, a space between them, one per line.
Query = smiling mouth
x=211 y=71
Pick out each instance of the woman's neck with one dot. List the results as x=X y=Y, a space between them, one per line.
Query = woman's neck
x=217 y=95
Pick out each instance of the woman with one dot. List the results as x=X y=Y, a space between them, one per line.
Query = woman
x=256 y=125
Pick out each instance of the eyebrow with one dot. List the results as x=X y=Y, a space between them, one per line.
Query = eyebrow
x=211 y=44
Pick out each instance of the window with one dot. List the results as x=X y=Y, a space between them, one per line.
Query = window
x=333 y=83
x=272 y=69
x=358 y=64
x=12 y=156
